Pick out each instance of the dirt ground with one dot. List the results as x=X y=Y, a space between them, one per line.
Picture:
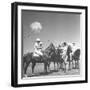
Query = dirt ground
x=39 y=71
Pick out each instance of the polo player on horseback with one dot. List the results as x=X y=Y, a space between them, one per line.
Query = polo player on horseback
x=75 y=56
x=73 y=45
x=64 y=51
x=38 y=48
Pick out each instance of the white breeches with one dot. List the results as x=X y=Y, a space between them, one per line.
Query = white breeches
x=37 y=53
x=65 y=58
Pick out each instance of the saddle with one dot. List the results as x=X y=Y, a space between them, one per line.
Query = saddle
x=39 y=58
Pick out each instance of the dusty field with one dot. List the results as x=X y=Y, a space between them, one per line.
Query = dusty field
x=39 y=71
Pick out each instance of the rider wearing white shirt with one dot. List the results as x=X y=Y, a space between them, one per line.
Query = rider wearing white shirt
x=64 y=52
x=38 y=48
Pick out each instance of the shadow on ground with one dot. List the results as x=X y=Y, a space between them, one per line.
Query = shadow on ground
x=43 y=73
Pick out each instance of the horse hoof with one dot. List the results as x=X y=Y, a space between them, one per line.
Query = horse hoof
x=33 y=74
x=69 y=69
x=25 y=75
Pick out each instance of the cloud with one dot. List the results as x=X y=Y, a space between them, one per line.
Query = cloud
x=36 y=27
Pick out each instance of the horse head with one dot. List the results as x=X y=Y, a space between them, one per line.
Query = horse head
x=49 y=50
x=59 y=50
x=27 y=57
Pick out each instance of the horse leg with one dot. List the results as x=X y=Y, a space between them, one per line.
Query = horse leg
x=69 y=65
x=25 y=69
x=78 y=64
x=72 y=64
x=58 y=65
x=75 y=64
x=54 y=66
x=22 y=70
x=45 y=67
x=48 y=66
x=64 y=67
x=33 y=65
x=61 y=65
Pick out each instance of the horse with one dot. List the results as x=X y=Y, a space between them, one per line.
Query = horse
x=76 y=58
x=69 y=52
x=56 y=57
x=64 y=56
x=59 y=58
x=29 y=58
x=25 y=62
x=53 y=56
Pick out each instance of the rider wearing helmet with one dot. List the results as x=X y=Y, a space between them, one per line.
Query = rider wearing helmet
x=38 y=48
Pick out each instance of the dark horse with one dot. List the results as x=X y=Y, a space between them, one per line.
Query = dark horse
x=69 y=51
x=76 y=58
x=55 y=56
x=59 y=58
x=63 y=59
x=29 y=58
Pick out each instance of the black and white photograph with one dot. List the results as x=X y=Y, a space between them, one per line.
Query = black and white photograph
x=51 y=44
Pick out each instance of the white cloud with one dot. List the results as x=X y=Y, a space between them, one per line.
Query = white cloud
x=36 y=27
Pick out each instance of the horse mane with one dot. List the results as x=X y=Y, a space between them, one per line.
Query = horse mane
x=29 y=53
x=48 y=49
x=51 y=45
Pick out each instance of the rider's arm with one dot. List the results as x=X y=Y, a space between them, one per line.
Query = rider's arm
x=41 y=46
x=35 y=46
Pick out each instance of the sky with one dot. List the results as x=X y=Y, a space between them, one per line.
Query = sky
x=49 y=27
